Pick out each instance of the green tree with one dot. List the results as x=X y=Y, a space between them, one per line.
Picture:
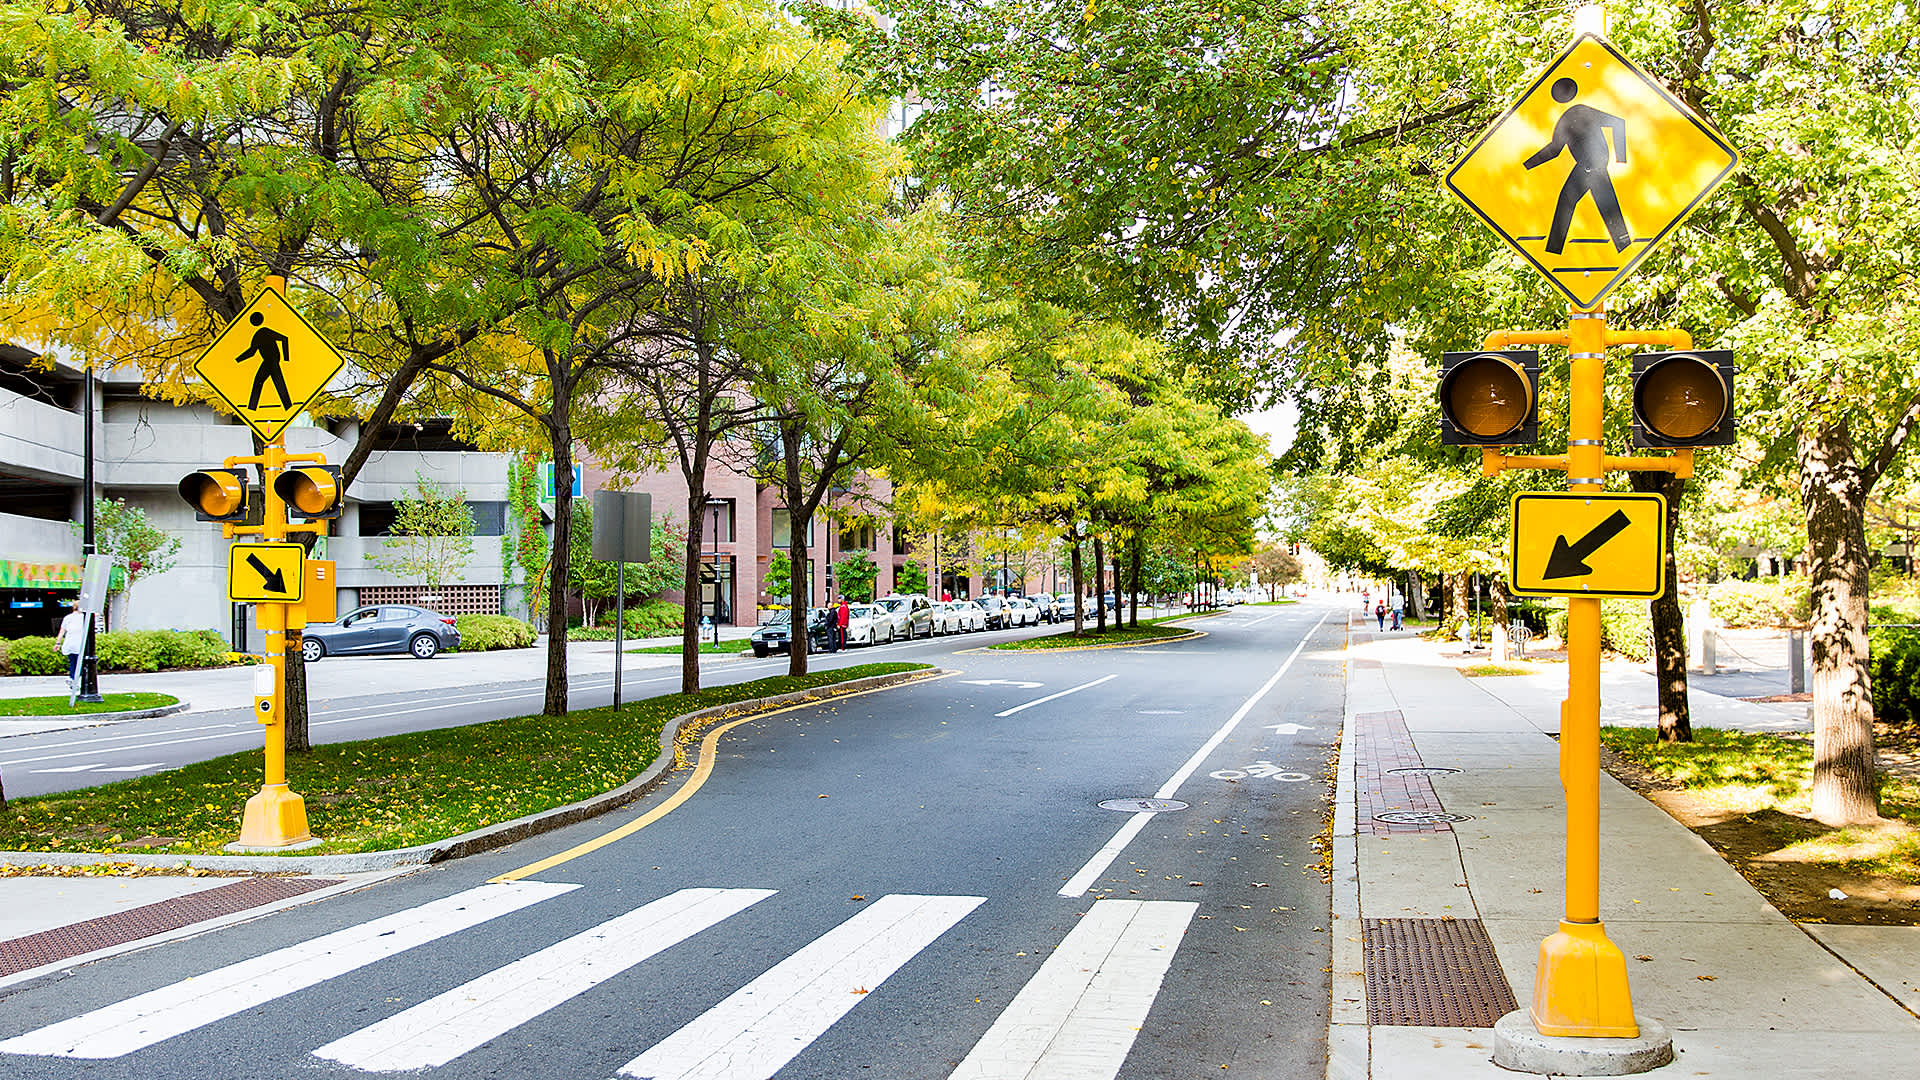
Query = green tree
x=856 y=574
x=911 y=578
x=778 y=580
x=431 y=541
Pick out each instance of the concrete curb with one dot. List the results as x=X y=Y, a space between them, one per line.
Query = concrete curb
x=110 y=717
x=492 y=836
x=1349 y=1054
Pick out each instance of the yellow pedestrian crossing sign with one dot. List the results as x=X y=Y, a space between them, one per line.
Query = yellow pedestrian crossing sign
x=266 y=573
x=268 y=364
x=1575 y=544
x=1590 y=168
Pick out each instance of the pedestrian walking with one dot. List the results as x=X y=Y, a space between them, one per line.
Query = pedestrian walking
x=73 y=642
x=1380 y=613
x=842 y=615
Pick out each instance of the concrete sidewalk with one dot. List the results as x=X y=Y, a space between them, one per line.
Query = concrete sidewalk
x=1437 y=923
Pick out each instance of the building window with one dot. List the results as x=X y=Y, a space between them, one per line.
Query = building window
x=899 y=540
x=716 y=526
x=376 y=518
x=489 y=518
x=857 y=538
x=782 y=528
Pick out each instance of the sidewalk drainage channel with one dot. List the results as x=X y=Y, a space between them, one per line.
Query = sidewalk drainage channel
x=1143 y=806
x=1433 y=973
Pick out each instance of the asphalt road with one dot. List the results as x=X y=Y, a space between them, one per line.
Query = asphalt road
x=918 y=882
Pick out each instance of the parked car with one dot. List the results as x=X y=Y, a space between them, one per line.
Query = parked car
x=912 y=615
x=1048 y=606
x=1022 y=611
x=947 y=618
x=999 y=617
x=869 y=624
x=972 y=615
x=774 y=635
x=382 y=628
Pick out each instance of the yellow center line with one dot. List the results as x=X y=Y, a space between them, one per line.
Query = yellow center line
x=708 y=744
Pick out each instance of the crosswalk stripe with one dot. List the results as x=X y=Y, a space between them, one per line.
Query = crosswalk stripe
x=765 y=1024
x=141 y=1021
x=435 y=1032
x=1077 y=1017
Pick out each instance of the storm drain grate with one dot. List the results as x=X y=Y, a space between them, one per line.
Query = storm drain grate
x=77 y=939
x=1433 y=973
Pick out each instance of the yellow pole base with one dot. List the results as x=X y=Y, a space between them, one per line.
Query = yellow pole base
x=275 y=817
x=1580 y=985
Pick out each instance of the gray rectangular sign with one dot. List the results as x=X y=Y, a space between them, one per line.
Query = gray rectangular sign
x=622 y=526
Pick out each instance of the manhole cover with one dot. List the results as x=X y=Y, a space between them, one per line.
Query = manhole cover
x=1143 y=806
x=1420 y=817
x=1422 y=770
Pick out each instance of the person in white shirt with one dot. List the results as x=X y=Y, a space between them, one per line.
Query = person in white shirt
x=73 y=640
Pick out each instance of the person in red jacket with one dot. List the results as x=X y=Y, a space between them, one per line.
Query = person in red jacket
x=841 y=616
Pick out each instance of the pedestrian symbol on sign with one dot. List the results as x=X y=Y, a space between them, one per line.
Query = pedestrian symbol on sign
x=271 y=347
x=1582 y=132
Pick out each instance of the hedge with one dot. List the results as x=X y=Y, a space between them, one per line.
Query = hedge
x=120 y=650
x=1761 y=603
x=481 y=633
x=1894 y=666
x=1626 y=628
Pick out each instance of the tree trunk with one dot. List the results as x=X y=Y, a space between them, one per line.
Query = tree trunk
x=562 y=434
x=1079 y=589
x=1099 y=586
x=1119 y=592
x=1416 y=595
x=1669 y=622
x=1833 y=494
x=690 y=582
x=1459 y=610
x=798 y=561
x=294 y=730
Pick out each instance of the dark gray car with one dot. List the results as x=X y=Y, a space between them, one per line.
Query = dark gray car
x=382 y=628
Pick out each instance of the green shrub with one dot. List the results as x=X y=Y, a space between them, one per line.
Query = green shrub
x=1761 y=603
x=480 y=633
x=36 y=656
x=123 y=650
x=653 y=618
x=1626 y=628
x=1894 y=666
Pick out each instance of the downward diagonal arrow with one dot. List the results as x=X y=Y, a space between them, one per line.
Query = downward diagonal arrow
x=275 y=581
x=1570 y=560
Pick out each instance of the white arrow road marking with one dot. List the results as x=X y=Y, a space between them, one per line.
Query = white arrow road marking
x=1076 y=1019
x=138 y=1022
x=1103 y=858
x=70 y=768
x=1004 y=682
x=132 y=768
x=1061 y=694
x=436 y=1031
x=1287 y=729
x=768 y=1022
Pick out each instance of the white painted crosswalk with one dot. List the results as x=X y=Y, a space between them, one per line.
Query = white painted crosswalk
x=1074 y=1020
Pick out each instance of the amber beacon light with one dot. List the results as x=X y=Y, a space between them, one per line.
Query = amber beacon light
x=1683 y=398
x=216 y=494
x=311 y=491
x=1490 y=398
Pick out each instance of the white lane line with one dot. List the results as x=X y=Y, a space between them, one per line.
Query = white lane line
x=1076 y=1019
x=436 y=1031
x=141 y=1021
x=1103 y=858
x=768 y=1022
x=1061 y=694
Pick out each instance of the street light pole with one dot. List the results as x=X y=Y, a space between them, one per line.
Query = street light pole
x=715 y=508
x=89 y=663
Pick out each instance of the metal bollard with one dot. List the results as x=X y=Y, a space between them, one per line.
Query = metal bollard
x=1796 y=662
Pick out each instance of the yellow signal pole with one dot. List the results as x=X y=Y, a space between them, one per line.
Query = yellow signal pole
x=275 y=816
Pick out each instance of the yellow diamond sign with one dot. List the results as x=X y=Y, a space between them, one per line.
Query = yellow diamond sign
x=1590 y=169
x=1588 y=545
x=268 y=364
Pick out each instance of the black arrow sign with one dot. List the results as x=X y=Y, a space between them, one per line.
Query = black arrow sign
x=1570 y=560
x=277 y=582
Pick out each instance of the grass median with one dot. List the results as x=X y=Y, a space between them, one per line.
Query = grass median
x=109 y=703
x=723 y=648
x=391 y=792
x=1148 y=632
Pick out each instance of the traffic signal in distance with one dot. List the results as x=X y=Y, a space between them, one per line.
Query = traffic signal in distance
x=310 y=491
x=216 y=494
x=1683 y=398
x=1490 y=398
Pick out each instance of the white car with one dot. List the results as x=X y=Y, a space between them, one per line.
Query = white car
x=1023 y=611
x=868 y=625
x=912 y=615
x=947 y=618
x=973 y=617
